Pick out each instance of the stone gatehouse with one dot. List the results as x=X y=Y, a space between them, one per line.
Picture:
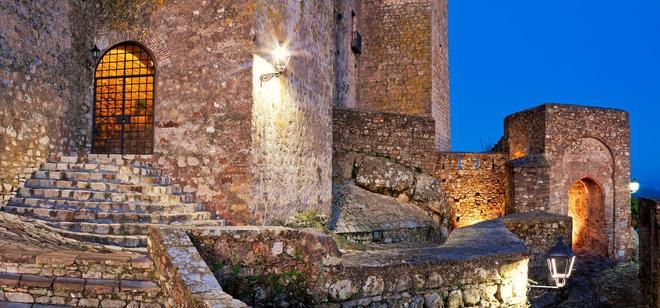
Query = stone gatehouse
x=119 y=117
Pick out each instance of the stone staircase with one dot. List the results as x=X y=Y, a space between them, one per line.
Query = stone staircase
x=106 y=199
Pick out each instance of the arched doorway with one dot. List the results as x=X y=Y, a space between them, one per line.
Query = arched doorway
x=124 y=101
x=586 y=207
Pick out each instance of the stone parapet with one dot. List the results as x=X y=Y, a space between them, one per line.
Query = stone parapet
x=483 y=264
x=187 y=281
x=539 y=231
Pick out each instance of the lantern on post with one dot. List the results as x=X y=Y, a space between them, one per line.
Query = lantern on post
x=560 y=262
x=560 y=259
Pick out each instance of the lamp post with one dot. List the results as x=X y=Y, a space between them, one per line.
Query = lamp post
x=280 y=55
x=560 y=260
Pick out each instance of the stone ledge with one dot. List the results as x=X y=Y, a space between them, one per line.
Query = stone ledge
x=186 y=279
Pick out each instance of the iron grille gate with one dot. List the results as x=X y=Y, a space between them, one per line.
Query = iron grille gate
x=124 y=101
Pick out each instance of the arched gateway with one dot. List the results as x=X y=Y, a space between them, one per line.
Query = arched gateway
x=586 y=207
x=124 y=101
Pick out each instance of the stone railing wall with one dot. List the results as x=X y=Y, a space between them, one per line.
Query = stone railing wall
x=484 y=264
x=539 y=231
x=185 y=279
x=407 y=139
x=649 y=250
x=475 y=184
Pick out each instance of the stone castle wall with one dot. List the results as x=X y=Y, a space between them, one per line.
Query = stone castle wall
x=406 y=139
x=555 y=146
x=475 y=184
x=44 y=74
x=292 y=115
x=403 y=63
x=440 y=74
x=203 y=94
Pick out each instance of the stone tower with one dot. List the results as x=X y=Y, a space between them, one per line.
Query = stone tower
x=392 y=56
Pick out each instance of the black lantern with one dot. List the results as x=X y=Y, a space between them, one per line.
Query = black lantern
x=560 y=262
x=95 y=52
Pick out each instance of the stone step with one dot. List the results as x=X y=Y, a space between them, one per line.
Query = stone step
x=124 y=228
x=86 y=292
x=107 y=206
x=76 y=263
x=85 y=215
x=87 y=167
x=104 y=159
x=101 y=186
x=105 y=177
x=89 y=195
x=133 y=241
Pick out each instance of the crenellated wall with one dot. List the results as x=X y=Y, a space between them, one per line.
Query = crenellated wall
x=475 y=184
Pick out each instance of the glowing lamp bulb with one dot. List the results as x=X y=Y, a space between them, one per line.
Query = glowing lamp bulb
x=281 y=56
x=634 y=186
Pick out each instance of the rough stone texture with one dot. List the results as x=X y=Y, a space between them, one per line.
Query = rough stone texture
x=44 y=77
x=378 y=200
x=475 y=184
x=203 y=99
x=440 y=109
x=291 y=122
x=358 y=214
x=559 y=145
x=38 y=266
x=539 y=231
x=395 y=66
x=406 y=139
x=649 y=250
x=484 y=257
x=186 y=280
x=384 y=176
x=254 y=252
x=345 y=92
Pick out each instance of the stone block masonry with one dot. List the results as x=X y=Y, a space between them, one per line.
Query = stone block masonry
x=403 y=65
x=44 y=75
x=203 y=94
x=539 y=231
x=484 y=264
x=556 y=147
x=475 y=184
x=404 y=138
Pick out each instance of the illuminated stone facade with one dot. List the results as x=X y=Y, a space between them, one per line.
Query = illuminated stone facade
x=556 y=147
x=258 y=152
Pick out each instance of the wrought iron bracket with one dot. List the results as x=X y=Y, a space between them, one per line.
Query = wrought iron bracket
x=265 y=77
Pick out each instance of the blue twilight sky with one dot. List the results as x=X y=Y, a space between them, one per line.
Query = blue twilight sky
x=509 y=55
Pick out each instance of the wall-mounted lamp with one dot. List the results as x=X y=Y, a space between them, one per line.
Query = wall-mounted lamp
x=560 y=261
x=634 y=186
x=95 y=52
x=281 y=57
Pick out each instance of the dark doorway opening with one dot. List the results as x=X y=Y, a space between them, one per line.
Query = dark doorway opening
x=586 y=207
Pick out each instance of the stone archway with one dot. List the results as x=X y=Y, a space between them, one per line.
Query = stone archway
x=586 y=205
